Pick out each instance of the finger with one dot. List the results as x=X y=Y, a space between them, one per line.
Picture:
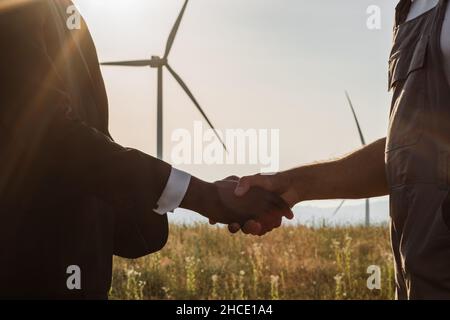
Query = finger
x=290 y=214
x=234 y=227
x=269 y=222
x=289 y=199
x=252 y=227
x=287 y=212
x=242 y=187
x=283 y=207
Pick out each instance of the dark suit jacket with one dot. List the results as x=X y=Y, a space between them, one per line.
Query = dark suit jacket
x=69 y=195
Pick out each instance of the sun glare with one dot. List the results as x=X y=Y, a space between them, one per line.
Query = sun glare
x=6 y=5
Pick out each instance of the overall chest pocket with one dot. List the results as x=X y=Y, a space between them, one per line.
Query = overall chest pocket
x=406 y=79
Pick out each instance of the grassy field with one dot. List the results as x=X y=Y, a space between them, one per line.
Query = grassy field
x=203 y=262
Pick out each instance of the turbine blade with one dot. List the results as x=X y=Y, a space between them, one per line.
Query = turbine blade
x=361 y=136
x=199 y=108
x=338 y=208
x=160 y=116
x=136 y=63
x=173 y=32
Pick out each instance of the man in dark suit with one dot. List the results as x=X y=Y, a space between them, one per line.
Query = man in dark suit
x=70 y=197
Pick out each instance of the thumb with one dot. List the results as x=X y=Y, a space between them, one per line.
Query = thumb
x=244 y=184
x=258 y=180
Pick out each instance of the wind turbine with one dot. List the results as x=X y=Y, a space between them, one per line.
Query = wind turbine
x=363 y=142
x=159 y=63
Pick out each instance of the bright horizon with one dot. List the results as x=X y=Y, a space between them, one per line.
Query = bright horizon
x=259 y=64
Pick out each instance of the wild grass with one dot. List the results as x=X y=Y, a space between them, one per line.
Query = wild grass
x=204 y=262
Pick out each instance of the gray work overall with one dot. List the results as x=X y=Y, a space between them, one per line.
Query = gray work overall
x=418 y=156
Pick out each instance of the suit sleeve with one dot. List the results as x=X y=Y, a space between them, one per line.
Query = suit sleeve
x=39 y=126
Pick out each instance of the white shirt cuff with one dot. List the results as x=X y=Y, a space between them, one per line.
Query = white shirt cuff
x=174 y=192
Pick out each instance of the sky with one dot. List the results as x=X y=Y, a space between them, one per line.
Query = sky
x=259 y=64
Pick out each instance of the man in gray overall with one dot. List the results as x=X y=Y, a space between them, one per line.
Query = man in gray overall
x=411 y=165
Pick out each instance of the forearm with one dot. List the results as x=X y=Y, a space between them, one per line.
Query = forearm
x=356 y=176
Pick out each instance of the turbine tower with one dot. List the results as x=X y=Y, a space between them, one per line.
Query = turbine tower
x=363 y=142
x=156 y=62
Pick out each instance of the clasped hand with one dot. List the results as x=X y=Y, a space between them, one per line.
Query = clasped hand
x=253 y=209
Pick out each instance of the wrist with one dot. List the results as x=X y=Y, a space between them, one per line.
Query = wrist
x=298 y=183
x=199 y=196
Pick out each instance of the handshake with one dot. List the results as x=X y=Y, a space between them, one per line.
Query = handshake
x=254 y=204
